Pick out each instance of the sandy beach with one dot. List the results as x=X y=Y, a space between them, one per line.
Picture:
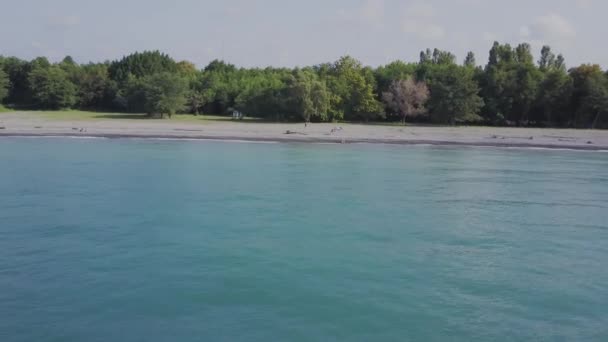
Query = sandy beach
x=32 y=124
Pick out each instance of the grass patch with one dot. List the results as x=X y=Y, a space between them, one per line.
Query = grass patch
x=4 y=109
x=80 y=115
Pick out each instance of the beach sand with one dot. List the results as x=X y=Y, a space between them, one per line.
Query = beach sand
x=31 y=124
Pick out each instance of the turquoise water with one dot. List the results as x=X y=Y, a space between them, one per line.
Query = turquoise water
x=134 y=240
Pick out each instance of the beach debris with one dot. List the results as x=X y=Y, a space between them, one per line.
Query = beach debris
x=559 y=137
x=38 y=127
x=590 y=142
x=187 y=130
x=336 y=129
x=2 y=127
x=74 y=129
x=511 y=137
x=294 y=132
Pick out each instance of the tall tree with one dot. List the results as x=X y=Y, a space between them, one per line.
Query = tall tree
x=469 y=61
x=589 y=96
x=354 y=91
x=554 y=96
x=443 y=57
x=51 y=88
x=407 y=98
x=4 y=85
x=164 y=93
x=547 y=58
x=95 y=88
x=141 y=64
x=510 y=84
x=454 y=96
x=523 y=54
x=397 y=70
x=17 y=71
x=308 y=96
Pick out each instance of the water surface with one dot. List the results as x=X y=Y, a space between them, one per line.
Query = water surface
x=136 y=240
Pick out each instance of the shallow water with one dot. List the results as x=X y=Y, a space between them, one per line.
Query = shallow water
x=108 y=240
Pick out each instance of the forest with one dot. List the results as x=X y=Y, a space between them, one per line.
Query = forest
x=511 y=89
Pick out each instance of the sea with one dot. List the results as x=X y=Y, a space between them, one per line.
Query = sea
x=160 y=240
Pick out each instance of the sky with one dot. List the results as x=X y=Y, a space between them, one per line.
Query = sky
x=258 y=33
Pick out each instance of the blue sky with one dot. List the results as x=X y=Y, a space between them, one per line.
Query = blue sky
x=290 y=33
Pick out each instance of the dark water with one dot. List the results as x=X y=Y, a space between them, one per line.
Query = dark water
x=128 y=240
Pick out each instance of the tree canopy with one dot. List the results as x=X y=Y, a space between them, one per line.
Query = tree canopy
x=3 y=85
x=512 y=88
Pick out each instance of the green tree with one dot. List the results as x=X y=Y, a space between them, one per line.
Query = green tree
x=308 y=97
x=510 y=84
x=353 y=91
x=17 y=71
x=554 y=96
x=469 y=61
x=589 y=96
x=163 y=93
x=397 y=70
x=547 y=58
x=95 y=88
x=454 y=95
x=4 y=85
x=220 y=86
x=141 y=64
x=51 y=88
x=443 y=57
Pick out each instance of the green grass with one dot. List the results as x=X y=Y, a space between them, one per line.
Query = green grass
x=4 y=109
x=79 y=115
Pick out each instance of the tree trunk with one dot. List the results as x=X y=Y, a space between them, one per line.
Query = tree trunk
x=597 y=117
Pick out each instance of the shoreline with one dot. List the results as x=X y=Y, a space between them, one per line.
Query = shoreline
x=337 y=141
x=32 y=124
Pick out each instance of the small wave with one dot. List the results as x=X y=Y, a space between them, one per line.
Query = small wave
x=53 y=137
x=239 y=141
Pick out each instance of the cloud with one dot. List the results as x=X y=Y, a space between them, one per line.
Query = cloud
x=426 y=31
x=552 y=27
x=424 y=10
x=418 y=21
x=371 y=12
x=489 y=37
x=63 y=21
x=584 y=4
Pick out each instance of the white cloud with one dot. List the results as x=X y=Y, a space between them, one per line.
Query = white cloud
x=419 y=21
x=63 y=21
x=425 y=31
x=524 y=31
x=584 y=4
x=425 y=10
x=553 y=27
x=489 y=37
x=371 y=12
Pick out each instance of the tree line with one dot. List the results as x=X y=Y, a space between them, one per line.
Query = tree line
x=511 y=89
